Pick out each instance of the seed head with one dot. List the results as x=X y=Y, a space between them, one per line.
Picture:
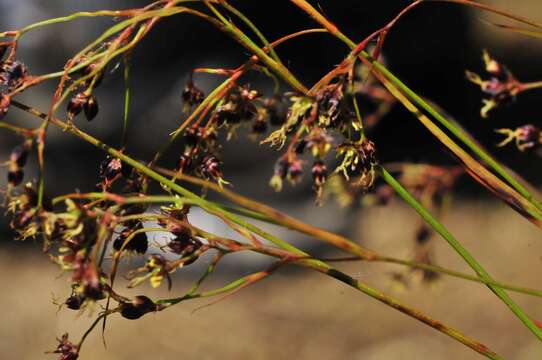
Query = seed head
x=91 y=108
x=138 y=307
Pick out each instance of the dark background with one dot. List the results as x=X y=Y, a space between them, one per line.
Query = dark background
x=429 y=50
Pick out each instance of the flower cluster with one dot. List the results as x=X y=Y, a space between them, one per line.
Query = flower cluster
x=501 y=86
x=12 y=75
x=527 y=137
x=87 y=79
x=240 y=106
x=319 y=125
x=313 y=124
x=66 y=349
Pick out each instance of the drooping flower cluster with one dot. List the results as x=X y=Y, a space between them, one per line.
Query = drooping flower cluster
x=319 y=125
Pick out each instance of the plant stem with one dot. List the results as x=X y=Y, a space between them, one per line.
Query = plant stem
x=456 y=245
x=270 y=215
x=252 y=27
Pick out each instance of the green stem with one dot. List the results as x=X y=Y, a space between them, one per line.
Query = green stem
x=244 y=40
x=126 y=100
x=439 y=228
x=261 y=217
x=252 y=27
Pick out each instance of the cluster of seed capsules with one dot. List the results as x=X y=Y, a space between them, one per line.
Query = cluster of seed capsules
x=12 y=76
x=240 y=106
x=314 y=125
x=84 y=101
x=502 y=88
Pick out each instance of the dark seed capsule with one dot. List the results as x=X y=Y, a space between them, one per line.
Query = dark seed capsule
x=259 y=127
x=184 y=163
x=140 y=306
x=76 y=104
x=139 y=243
x=295 y=171
x=19 y=155
x=300 y=147
x=422 y=235
x=31 y=196
x=184 y=244
x=22 y=219
x=3 y=49
x=94 y=293
x=281 y=168
x=191 y=96
x=74 y=302
x=15 y=177
x=319 y=173
x=91 y=108
x=191 y=138
x=210 y=167
x=16 y=70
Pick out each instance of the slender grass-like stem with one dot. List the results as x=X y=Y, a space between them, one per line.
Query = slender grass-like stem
x=456 y=245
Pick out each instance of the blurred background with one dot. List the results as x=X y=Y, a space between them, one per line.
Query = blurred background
x=293 y=314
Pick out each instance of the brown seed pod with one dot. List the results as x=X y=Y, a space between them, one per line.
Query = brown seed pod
x=15 y=177
x=76 y=104
x=140 y=306
x=91 y=108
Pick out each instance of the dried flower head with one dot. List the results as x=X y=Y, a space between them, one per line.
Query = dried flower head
x=192 y=96
x=502 y=86
x=358 y=161
x=66 y=349
x=138 y=307
x=526 y=137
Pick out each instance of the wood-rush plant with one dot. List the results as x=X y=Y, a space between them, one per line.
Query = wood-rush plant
x=89 y=234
